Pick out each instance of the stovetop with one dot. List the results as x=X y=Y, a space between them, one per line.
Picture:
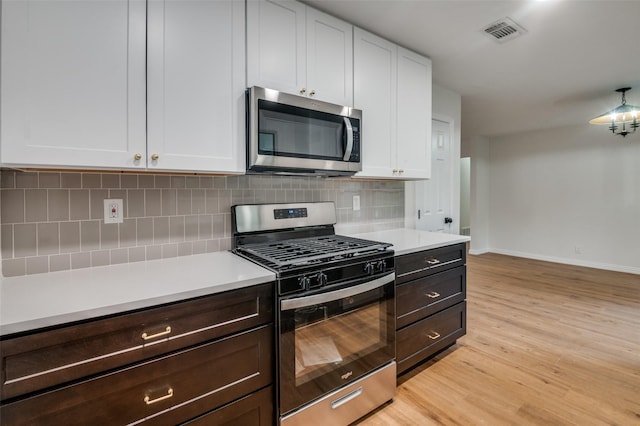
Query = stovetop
x=283 y=254
x=298 y=242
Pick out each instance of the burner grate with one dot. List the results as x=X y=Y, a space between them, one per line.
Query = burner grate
x=304 y=250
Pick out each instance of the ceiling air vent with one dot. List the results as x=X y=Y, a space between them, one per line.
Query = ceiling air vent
x=503 y=30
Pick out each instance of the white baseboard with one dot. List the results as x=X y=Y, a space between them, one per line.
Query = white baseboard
x=475 y=251
x=575 y=262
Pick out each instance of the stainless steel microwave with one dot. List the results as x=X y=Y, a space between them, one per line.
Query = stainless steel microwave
x=289 y=134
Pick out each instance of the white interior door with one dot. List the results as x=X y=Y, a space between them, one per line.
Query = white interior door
x=433 y=196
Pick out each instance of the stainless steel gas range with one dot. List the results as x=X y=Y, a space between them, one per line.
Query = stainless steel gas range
x=335 y=311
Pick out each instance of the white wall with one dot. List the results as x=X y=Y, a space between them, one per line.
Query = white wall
x=480 y=186
x=465 y=192
x=446 y=106
x=569 y=194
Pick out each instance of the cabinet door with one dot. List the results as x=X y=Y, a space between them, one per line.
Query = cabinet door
x=276 y=46
x=73 y=83
x=329 y=58
x=196 y=86
x=374 y=76
x=414 y=115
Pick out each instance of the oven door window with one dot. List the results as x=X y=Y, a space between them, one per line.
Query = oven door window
x=326 y=345
x=289 y=131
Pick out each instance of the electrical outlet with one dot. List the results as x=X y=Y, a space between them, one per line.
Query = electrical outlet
x=113 y=210
x=356 y=203
x=577 y=249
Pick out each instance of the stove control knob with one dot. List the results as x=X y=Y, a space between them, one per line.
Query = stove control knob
x=303 y=282
x=321 y=279
x=370 y=268
x=381 y=266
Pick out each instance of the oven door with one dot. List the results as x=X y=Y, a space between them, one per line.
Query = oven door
x=330 y=339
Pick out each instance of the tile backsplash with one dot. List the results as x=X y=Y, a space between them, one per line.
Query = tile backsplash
x=54 y=221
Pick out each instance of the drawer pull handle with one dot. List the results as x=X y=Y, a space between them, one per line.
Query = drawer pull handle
x=146 y=336
x=150 y=401
x=433 y=261
x=433 y=336
x=433 y=295
x=348 y=397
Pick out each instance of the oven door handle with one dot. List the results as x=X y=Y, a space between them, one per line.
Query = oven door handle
x=316 y=299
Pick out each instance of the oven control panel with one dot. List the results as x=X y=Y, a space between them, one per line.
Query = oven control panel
x=290 y=213
x=329 y=276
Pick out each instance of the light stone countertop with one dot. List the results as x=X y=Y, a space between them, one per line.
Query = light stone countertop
x=31 y=302
x=407 y=240
x=34 y=301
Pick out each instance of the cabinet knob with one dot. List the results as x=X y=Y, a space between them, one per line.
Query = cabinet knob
x=395 y=171
x=303 y=91
x=401 y=171
x=137 y=157
x=313 y=92
x=154 y=157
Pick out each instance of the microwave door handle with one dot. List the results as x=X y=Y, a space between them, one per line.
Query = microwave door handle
x=316 y=299
x=349 y=147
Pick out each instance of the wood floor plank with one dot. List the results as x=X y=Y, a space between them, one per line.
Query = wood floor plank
x=546 y=344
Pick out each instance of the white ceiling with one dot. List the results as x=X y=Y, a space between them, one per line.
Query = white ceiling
x=563 y=71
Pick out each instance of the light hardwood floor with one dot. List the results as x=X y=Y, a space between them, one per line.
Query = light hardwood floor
x=546 y=344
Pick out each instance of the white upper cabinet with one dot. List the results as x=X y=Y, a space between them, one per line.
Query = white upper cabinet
x=296 y=49
x=73 y=83
x=329 y=58
x=276 y=50
x=375 y=75
x=392 y=87
x=196 y=86
x=414 y=115
x=79 y=89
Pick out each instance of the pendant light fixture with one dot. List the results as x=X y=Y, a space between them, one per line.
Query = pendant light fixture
x=622 y=120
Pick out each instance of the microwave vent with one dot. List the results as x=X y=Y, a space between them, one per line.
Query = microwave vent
x=504 y=30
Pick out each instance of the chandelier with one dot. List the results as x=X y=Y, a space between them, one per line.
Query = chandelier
x=623 y=119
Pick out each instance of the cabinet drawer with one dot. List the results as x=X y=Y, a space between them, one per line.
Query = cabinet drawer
x=429 y=262
x=167 y=390
x=422 y=297
x=424 y=338
x=53 y=357
x=253 y=410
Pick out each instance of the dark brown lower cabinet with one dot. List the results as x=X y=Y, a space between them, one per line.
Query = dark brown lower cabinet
x=424 y=338
x=430 y=303
x=167 y=390
x=253 y=410
x=224 y=380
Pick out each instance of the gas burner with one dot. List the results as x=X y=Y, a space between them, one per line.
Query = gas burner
x=303 y=251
